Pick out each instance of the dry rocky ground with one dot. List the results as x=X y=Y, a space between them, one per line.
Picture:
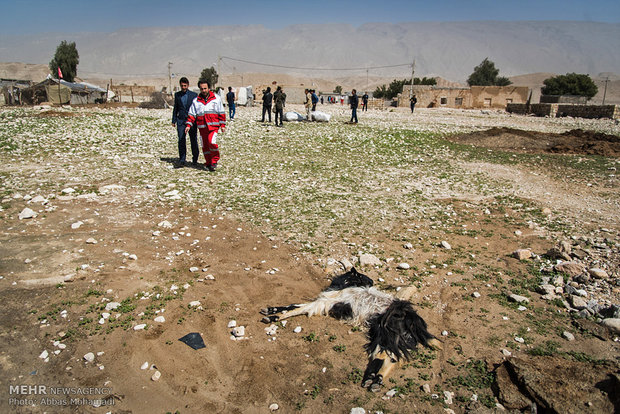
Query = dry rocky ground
x=109 y=255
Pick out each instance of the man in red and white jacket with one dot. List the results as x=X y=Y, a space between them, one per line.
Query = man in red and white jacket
x=207 y=112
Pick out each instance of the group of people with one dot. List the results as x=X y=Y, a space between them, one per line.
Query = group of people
x=204 y=113
x=279 y=99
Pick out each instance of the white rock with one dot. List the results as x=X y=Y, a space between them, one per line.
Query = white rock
x=271 y=330
x=598 y=273
x=91 y=241
x=165 y=224
x=156 y=376
x=447 y=397
x=506 y=352
x=426 y=388
x=39 y=199
x=446 y=245
x=357 y=410
x=391 y=393
x=194 y=303
x=232 y=324
x=160 y=319
x=144 y=366
x=613 y=324
x=27 y=213
x=193 y=269
x=89 y=357
x=68 y=190
x=408 y=246
x=274 y=407
x=44 y=354
x=367 y=259
x=77 y=225
x=112 y=305
x=519 y=339
x=239 y=331
x=518 y=233
x=444 y=333
x=139 y=327
x=404 y=266
x=476 y=294
x=171 y=193
x=297 y=329
x=133 y=257
x=568 y=336
x=111 y=188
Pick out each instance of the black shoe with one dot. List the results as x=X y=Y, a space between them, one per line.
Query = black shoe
x=179 y=164
x=212 y=167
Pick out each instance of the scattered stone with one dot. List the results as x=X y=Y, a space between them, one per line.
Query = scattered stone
x=506 y=352
x=144 y=366
x=598 y=273
x=76 y=225
x=446 y=245
x=271 y=330
x=546 y=211
x=571 y=268
x=133 y=257
x=39 y=199
x=44 y=354
x=274 y=407
x=89 y=357
x=239 y=331
x=368 y=259
x=578 y=302
x=112 y=305
x=357 y=410
x=408 y=246
x=391 y=393
x=111 y=188
x=68 y=190
x=613 y=324
x=91 y=241
x=139 y=327
x=518 y=298
x=165 y=224
x=518 y=233
x=194 y=269
x=426 y=388
x=156 y=376
x=519 y=339
x=160 y=319
x=404 y=266
x=27 y=213
x=444 y=333
x=297 y=329
x=476 y=295
x=522 y=254
x=232 y=324
x=447 y=397
x=568 y=336
x=194 y=304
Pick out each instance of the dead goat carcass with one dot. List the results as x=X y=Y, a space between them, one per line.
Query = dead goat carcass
x=394 y=327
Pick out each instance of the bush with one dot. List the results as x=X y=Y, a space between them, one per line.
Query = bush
x=486 y=74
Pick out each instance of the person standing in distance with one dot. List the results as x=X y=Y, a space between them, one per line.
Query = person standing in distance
x=308 y=105
x=279 y=98
x=230 y=99
x=182 y=101
x=365 y=102
x=207 y=112
x=353 y=100
x=267 y=101
x=412 y=102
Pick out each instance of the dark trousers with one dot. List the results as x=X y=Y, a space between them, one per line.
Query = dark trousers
x=231 y=111
x=268 y=110
x=412 y=107
x=365 y=106
x=183 y=143
x=280 y=112
x=354 y=115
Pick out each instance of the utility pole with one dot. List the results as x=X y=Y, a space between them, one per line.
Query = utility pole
x=169 y=78
x=219 y=58
x=605 y=92
x=411 y=86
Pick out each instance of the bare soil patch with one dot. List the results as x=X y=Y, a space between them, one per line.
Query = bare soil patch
x=575 y=141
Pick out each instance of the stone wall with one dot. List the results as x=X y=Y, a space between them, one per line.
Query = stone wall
x=470 y=97
x=133 y=93
x=560 y=110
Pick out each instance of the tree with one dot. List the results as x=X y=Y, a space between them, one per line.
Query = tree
x=210 y=75
x=338 y=90
x=570 y=84
x=485 y=74
x=66 y=58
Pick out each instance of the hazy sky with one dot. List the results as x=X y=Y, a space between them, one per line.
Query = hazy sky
x=70 y=16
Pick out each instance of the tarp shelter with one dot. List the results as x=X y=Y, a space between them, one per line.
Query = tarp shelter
x=67 y=92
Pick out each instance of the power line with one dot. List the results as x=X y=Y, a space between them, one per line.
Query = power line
x=300 y=68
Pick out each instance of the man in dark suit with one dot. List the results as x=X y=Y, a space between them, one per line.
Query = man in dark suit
x=182 y=101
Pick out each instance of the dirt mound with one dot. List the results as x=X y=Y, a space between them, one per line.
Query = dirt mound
x=576 y=141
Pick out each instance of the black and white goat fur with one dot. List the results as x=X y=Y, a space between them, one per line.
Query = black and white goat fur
x=394 y=327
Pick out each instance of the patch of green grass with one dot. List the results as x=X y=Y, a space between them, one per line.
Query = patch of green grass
x=311 y=337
